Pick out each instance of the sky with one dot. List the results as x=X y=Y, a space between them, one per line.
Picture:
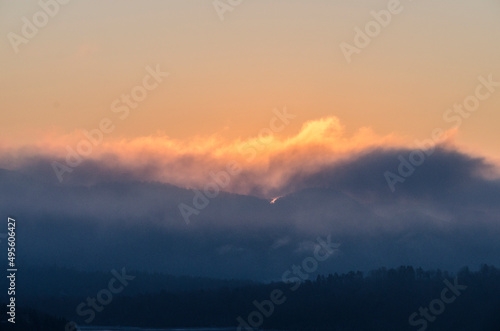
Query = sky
x=282 y=96
x=227 y=76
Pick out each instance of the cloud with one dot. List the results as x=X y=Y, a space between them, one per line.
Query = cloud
x=267 y=162
x=119 y=207
x=445 y=215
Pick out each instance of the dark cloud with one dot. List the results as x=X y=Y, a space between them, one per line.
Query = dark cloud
x=446 y=215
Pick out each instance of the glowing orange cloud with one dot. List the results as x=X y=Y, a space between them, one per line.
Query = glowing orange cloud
x=266 y=161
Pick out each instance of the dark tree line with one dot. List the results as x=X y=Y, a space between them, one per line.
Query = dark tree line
x=383 y=299
x=33 y=320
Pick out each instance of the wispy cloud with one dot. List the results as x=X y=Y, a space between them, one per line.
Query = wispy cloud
x=268 y=163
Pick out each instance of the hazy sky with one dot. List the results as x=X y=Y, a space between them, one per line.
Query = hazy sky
x=227 y=76
x=113 y=114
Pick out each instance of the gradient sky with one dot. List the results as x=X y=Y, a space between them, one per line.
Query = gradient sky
x=227 y=76
x=229 y=80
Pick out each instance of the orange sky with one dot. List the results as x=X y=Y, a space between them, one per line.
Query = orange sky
x=226 y=77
